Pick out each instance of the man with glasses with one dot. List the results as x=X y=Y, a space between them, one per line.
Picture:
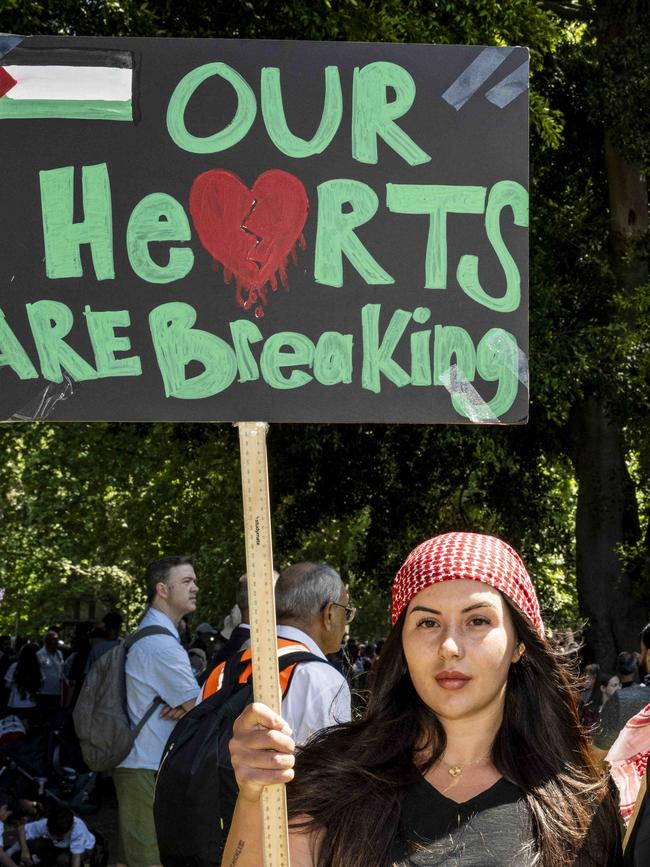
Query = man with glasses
x=312 y=607
x=157 y=668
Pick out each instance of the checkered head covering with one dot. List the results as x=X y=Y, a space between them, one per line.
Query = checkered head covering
x=472 y=556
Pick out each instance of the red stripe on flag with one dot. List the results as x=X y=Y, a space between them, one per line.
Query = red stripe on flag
x=6 y=81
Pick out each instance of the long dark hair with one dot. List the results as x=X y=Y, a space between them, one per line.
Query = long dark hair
x=27 y=676
x=351 y=779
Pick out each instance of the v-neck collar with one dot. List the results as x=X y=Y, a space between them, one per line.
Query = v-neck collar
x=470 y=802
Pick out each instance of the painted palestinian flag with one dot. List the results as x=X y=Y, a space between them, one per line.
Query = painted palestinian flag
x=66 y=83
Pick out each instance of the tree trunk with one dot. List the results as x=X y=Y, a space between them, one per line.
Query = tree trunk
x=607 y=512
x=606 y=517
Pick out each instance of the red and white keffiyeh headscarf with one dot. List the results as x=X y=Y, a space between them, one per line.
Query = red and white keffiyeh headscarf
x=628 y=759
x=471 y=556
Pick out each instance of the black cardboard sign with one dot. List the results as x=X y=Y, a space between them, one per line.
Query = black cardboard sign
x=254 y=230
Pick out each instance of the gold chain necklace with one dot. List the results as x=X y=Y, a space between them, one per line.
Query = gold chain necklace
x=457 y=770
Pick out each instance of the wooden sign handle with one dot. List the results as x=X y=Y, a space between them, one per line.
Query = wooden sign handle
x=261 y=603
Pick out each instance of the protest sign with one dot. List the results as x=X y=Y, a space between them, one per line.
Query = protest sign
x=239 y=230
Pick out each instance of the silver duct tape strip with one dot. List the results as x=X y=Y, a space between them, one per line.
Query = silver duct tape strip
x=474 y=76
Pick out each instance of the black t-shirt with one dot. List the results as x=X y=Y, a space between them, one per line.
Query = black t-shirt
x=493 y=829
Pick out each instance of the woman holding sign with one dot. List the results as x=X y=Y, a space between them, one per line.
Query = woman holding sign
x=470 y=752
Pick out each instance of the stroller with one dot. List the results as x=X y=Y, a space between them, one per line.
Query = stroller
x=48 y=762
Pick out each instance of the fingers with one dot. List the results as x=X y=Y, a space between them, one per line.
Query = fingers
x=261 y=750
x=168 y=713
x=258 y=715
x=173 y=713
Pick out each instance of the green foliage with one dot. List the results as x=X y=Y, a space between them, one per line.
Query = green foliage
x=621 y=47
x=85 y=507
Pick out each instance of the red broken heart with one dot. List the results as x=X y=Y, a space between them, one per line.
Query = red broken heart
x=252 y=232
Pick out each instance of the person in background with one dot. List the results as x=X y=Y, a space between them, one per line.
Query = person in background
x=608 y=686
x=605 y=687
x=185 y=632
x=628 y=759
x=50 y=659
x=157 y=667
x=112 y=623
x=75 y=665
x=206 y=638
x=60 y=840
x=6 y=658
x=627 y=669
x=644 y=645
x=198 y=661
x=620 y=706
x=312 y=610
x=242 y=631
x=24 y=681
x=5 y=812
x=591 y=677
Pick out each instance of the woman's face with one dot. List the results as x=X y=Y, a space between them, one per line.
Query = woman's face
x=459 y=643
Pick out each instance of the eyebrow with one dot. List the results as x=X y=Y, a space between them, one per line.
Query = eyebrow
x=464 y=611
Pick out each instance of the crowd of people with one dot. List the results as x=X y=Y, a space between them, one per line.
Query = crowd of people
x=38 y=684
x=467 y=712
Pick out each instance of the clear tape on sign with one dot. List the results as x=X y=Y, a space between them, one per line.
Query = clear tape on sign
x=467 y=401
x=44 y=404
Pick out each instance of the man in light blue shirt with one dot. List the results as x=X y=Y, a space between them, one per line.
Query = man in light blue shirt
x=157 y=666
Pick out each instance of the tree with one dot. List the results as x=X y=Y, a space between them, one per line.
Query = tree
x=363 y=495
x=594 y=282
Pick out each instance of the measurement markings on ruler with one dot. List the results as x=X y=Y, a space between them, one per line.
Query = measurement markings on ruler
x=261 y=598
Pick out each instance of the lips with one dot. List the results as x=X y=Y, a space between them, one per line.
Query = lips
x=452 y=680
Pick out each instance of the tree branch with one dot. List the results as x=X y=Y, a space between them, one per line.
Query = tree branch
x=564 y=10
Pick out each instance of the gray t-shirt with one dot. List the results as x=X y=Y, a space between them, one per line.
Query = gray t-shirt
x=621 y=707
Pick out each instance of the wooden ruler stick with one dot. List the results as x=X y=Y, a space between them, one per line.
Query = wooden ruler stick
x=261 y=604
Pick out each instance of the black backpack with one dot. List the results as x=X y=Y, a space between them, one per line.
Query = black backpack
x=195 y=787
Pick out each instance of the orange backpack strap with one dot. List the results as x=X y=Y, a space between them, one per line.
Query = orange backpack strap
x=285 y=647
x=214 y=681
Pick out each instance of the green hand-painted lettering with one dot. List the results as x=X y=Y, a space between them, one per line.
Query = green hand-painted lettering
x=497 y=359
x=421 y=349
x=274 y=359
x=244 y=333
x=333 y=358
x=276 y=122
x=13 y=354
x=62 y=236
x=159 y=217
x=453 y=341
x=335 y=233
x=378 y=356
x=437 y=201
x=225 y=138
x=503 y=194
x=105 y=343
x=50 y=322
x=177 y=344
x=373 y=115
